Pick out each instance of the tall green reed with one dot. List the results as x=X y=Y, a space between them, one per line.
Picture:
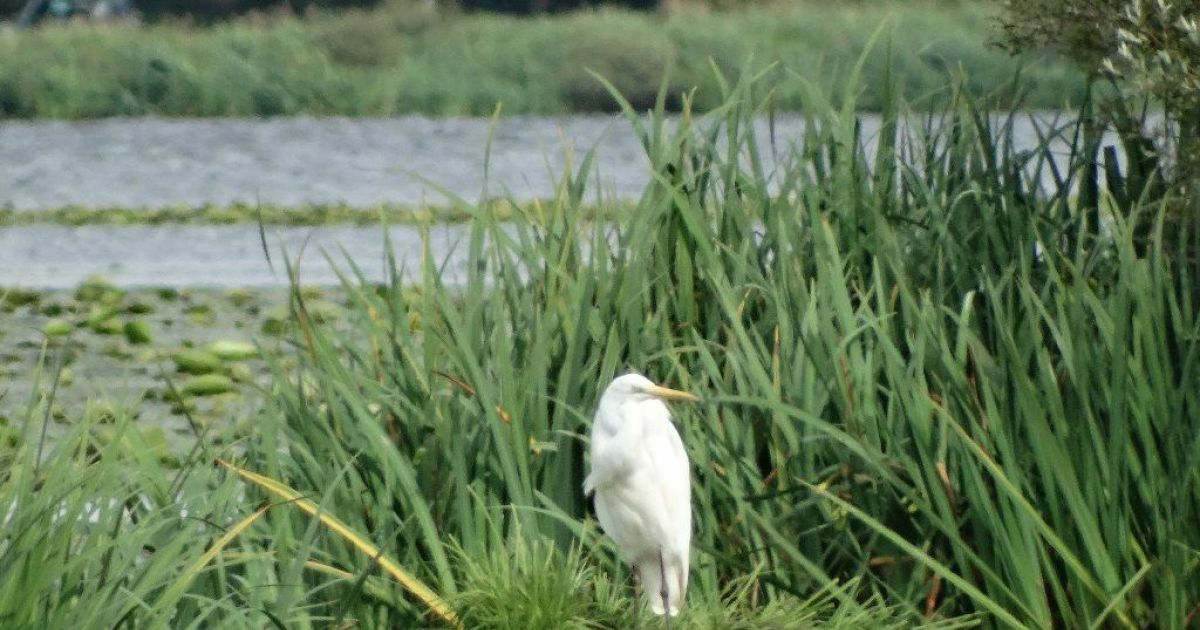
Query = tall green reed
x=97 y=530
x=928 y=377
x=924 y=371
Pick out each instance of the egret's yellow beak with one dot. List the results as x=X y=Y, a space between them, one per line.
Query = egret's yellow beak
x=666 y=393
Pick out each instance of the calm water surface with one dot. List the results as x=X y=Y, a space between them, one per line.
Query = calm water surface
x=147 y=162
x=60 y=257
x=140 y=162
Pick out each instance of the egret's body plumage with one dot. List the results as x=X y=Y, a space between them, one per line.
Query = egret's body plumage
x=642 y=484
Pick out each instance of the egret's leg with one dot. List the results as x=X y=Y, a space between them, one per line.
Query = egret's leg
x=637 y=599
x=662 y=567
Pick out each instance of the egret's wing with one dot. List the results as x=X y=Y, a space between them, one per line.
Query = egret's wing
x=673 y=481
x=612 y=457
x=673 y=473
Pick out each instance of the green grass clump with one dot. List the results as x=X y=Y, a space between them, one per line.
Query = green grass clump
x=924 y=372
x=267 y=214
x=94 y=526
x=937 y=392
x=533 y=585
x=397 y=61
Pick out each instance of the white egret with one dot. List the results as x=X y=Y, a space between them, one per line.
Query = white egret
x=642 y=486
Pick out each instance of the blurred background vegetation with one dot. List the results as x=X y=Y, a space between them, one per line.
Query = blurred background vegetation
x=1151 y=52
x=221 y=9
x=1003 y=428
x=938 y=393
x=404 y=56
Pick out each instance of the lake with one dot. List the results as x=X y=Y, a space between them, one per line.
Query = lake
x=149 y=162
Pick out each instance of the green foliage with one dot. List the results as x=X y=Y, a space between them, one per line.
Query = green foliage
x=83 y=73
x=359 y=38
x=268 y=214
x=636 y=54
x=1158 y=53
x=924 y=372
x=1085 y=28
x=535 y=585
x=1151 y=50
x=934 y=388
x=397 y=60
x=543 y=6
x=94 y=530
x=531 y=584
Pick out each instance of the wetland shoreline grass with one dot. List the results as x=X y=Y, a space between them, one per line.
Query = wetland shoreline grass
x=393 y=61
x=280 y=215
x=936 y=395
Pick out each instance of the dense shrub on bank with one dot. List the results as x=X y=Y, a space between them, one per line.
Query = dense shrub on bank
x=205 y=10
x=379 y=63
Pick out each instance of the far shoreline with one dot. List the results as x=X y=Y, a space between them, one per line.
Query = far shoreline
x=386 y=62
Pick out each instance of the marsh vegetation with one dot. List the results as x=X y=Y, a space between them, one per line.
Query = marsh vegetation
x=399 y=59
x=939 y=392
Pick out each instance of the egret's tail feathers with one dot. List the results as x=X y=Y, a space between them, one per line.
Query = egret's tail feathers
x=589 y=485
x=650 y=575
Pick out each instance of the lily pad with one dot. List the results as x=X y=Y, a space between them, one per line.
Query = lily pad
x=208 y=385
x=197 y=362
x=116 y=349
x=322 y=311
x=57 y=328
x=100 y=412
x=233 y=350
x=102 y=320
x=200 y=314
x=53 y=309
x=274 y=327
x=240 y=298
x=241 y=372
x=96 y=289
x=138 y=332
x=19 y=297
x=138 y=307
x=108 y=327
